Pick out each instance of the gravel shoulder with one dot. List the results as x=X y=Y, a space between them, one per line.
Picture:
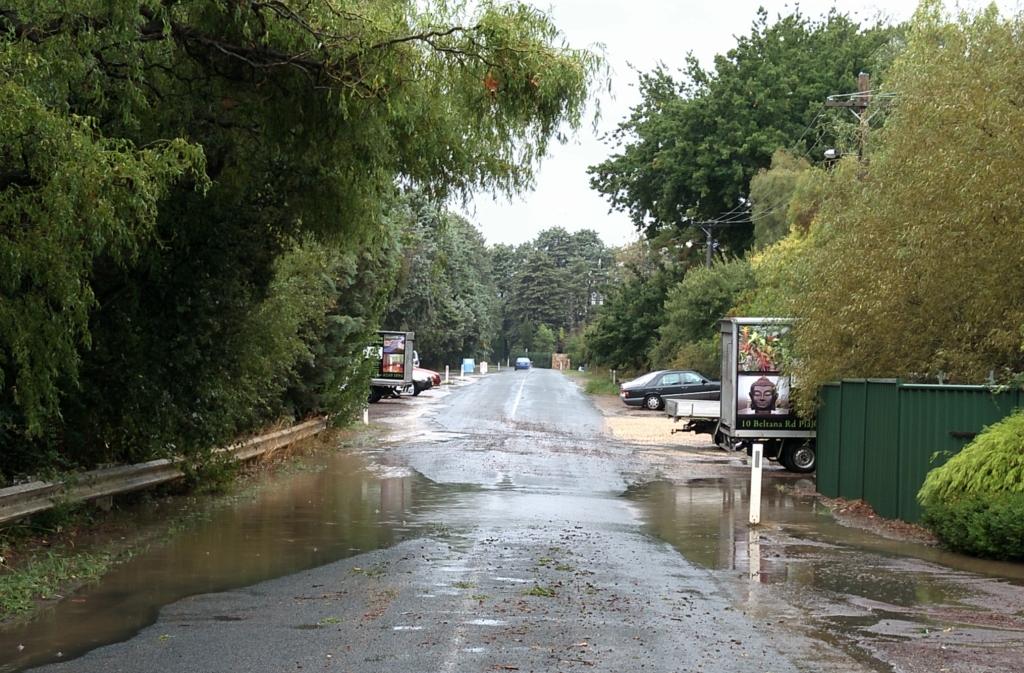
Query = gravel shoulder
x=640 y=426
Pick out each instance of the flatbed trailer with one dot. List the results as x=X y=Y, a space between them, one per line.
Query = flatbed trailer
x=755 y=397
x=699 y=416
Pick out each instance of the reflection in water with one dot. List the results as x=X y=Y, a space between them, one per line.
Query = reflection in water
x=302 y=521
x=754 y=554
x=707 y=522
x=800 y=544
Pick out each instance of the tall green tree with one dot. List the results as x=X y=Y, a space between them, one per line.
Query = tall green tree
x=589 y=273
x=771 y=193
x=625 y=330
x=505 y=261
x=541 y=291
x=544 y=341
x=690 y=148
x=446 y=291
x=555 y=280
x=159 y=160
x=688 y=336
x=913 y=267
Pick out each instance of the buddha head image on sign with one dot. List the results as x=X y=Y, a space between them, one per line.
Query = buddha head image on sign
x=763 y=396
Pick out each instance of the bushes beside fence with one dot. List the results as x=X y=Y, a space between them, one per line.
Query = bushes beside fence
x=975 y=502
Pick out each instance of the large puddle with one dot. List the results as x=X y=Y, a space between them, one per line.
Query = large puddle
x=339 y=507
x=706 y=520
x=853 y=588
x=335 y=509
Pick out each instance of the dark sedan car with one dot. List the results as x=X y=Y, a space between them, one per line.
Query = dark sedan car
x=652 y=389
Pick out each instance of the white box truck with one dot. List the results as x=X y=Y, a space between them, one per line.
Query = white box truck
x=755 y=402
x=396 y=361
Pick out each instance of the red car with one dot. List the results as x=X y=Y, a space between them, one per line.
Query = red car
x=424 y=379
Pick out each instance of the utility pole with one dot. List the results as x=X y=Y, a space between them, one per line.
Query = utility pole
x=709 y=249
x=711 y=245
x=738 y=215
x=857 y=104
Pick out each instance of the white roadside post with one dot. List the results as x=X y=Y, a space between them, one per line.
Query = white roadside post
x=755 y=483
x=446 y=373
x=366 y=415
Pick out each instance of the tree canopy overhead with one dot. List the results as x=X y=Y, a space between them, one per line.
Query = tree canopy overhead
x=158 y=158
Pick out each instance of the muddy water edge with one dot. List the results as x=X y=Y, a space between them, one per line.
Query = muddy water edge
x=317 y=508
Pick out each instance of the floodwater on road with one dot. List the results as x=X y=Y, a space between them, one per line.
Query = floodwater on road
x=337 y=508
x=706 y=520
x=888 y=605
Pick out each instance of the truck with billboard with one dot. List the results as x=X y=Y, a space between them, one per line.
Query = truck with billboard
x=396 y=360
x=755 y=402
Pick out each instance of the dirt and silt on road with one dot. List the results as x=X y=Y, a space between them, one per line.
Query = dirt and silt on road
x=489 y=546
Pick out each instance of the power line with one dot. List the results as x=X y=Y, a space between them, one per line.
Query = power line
x=821 y=112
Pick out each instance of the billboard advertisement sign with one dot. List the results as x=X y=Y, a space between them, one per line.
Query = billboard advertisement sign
x=394 y=348
x=762 y=390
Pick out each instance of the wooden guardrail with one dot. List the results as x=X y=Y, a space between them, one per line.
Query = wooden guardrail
x=20 y=501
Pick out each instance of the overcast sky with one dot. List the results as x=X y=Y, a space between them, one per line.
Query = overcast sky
x=639 y=33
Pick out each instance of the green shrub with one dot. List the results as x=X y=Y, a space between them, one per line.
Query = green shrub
x=688 y=334
x=993 y=463
x=702 y=356
x=991 y=527
x=975 y=502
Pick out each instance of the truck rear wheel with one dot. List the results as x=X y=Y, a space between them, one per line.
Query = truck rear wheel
x=800 y=458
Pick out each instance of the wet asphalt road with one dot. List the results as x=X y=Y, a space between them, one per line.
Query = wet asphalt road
x=543 y=561
x=544 y=568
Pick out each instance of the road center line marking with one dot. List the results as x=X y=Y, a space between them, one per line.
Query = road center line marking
x=519 y=397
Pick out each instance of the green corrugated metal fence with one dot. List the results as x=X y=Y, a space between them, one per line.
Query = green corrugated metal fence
x=878 y=438
x=881 y=464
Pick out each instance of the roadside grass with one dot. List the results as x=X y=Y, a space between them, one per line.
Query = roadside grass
x=46 y=575
x=599 y=382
